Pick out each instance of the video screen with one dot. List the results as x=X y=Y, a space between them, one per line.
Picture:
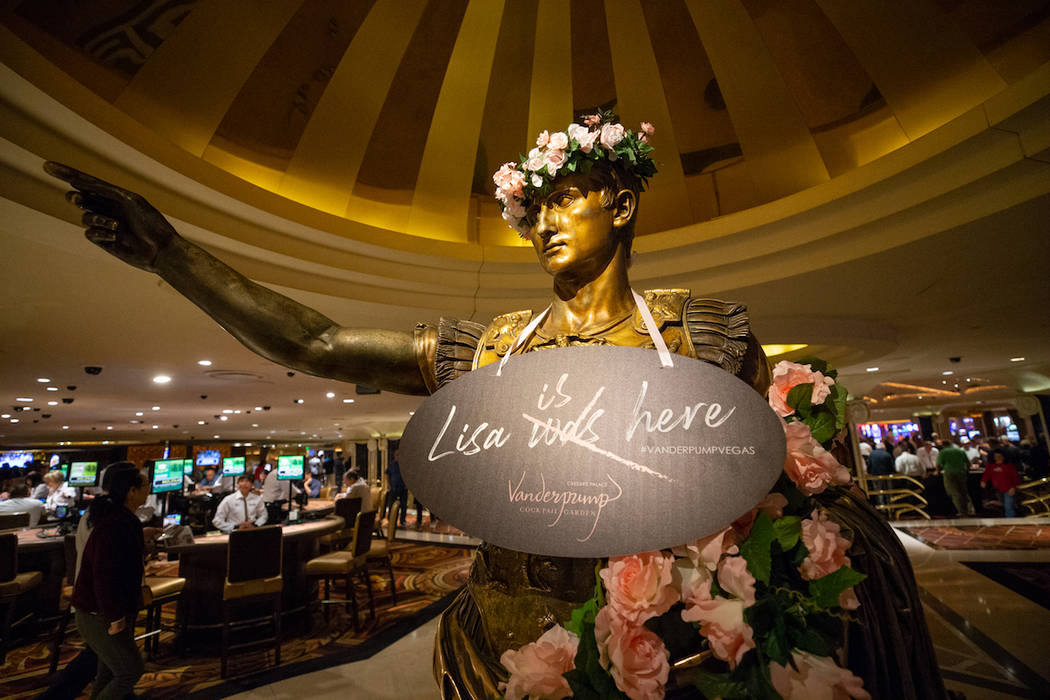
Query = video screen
x=289 y=467
x=233 y=466
x=83 y=474
x=16 y=459
x=166 y=475
x=209 y=458
x=187 y=466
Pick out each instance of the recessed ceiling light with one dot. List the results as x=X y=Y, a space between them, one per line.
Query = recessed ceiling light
x=298 y=400
x=200 y=422
x=52 y=388
x=155 y=408
x=155 y=427
x=258 y=408
x=14 y=420
x=204 y=363
x=224 y=417
x=215 y=436
x=161 y=379
x=872 y=369
x=52 y=403
x=109 y=427
x=135 y=421
x=43 y=380
x=947 y=372
x=105 y=442
x=1016 y=359
x=411 y=413
x=237 y=411
x=23 y=399
x=5 y=415
x=330 y=395
x=65 y=427
x=348 y=400
x=138 y=413
x=227 y=410
x=255 y=425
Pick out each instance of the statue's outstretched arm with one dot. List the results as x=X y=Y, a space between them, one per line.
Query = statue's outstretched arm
x=125 y=225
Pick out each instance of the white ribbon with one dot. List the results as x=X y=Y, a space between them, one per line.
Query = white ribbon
x=643 y=309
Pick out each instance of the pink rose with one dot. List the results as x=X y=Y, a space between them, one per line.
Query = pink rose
x=535 y=161
x=634 y=656
x=573 y=130
x=559 y=141
x=554 y=159
x=536 y=669
x=734 y=578
x=815 y=678
x=639 y=586
x=772 y=505
x=807 y=464
x=509 y=179
x=788 y=375
x=611 y=134
x=721 y=621
x=708 y=551
x=592 y=119
x=827 y=548
x=586 y=140
x=543 y=139
x=645 y=131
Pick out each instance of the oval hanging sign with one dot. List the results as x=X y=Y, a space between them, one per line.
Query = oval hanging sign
x=592 y=451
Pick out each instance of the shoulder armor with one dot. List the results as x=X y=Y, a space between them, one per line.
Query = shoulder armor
x=500 y=335
x=665 y=306
x=719 y=330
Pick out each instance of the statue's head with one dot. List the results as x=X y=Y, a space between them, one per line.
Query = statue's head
x=575 y=195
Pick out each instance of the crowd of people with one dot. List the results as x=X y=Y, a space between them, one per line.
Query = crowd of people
x=1005 y=465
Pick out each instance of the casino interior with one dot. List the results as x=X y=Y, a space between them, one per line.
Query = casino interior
x=872 y=180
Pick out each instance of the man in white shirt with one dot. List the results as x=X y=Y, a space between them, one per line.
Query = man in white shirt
x=20 y=502
x=927 y=455
x=357 y=487
x=273 y=490
x=242 y=509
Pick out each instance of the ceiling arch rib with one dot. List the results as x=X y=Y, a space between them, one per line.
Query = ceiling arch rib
x=640 y=96
x=326 y=161
x=442 y=204
x=927 y=71
x=185 y=88
x=779 y=150
x=550 y=96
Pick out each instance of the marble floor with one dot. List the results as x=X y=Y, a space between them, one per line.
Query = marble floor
x=992 y=643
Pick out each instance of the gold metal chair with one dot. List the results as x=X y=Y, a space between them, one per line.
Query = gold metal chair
x=253 y=577
x=345 y=564
x=380 y=550
x=901 y=494
x=13 y=585
x=1034 y=496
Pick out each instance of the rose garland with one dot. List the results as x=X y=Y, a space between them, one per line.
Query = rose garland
x=574 y=150
x=763 y=600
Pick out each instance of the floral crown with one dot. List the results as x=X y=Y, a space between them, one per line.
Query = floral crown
x=575 y=150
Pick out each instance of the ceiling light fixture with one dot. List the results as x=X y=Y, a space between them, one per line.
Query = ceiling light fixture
x=43 y=380
x=14 y=420
x=65 y=427
x=52 y=388
x=255 y=425
x=161 y=379
x=227 y=410
x=138 y=413
x=298 y=400
x=215 y=436
x=947 y=372
x=1016 y=359
x=155 y=427
x=258 y=408
x=24 y=399
x=204 y=363
x=330 y=395
x=155 y=408
x=5 y=415
x=872 y=369
x=200 y=422
x=224 y=417
x=348 y=400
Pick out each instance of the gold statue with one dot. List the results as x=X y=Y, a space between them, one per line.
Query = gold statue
x=580 y=220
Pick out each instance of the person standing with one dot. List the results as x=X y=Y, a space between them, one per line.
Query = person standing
x=908 y=463
x=108 y=591
x=1004 y=478
x=955 y=466
x=398 y=490
x=927 y=455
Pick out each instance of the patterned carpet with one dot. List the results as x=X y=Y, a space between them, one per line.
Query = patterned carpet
x=983 y=536
x=425 y=575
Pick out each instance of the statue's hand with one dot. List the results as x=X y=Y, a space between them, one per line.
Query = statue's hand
x=118 y=221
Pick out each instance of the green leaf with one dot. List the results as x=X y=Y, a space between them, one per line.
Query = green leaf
x=810 y=640
x=755 y=549
x=799 y=398
x=581 y=616
x=825 y=590
x=822 y=424
x=787 y=530
x=777 y=645
x=837 y=401
x=720 y=685
x=816 y=364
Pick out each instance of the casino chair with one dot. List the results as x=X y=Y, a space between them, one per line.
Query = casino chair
x=380 y=550
x=253 y=576
x=325 y=493
x=13 y=585
x=14 y=521
x=347 y=563
x=347 y=509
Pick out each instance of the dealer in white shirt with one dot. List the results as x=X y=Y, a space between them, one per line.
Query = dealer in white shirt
x=273 y=490
x=58 y=495
x=241 y=510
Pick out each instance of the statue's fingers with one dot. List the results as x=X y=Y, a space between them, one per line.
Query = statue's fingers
x=102 y=237
x=99 y=221
x=82 y=181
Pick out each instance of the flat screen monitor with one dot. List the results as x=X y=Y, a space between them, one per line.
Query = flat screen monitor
x=83 y=474
x=166 y=475
x=209 y=458
x=64 y=468
x=16 y=459
x=187 y=466
x=233 y=466
x=289 y=467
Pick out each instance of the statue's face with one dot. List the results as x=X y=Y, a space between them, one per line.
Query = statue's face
x=572 y=232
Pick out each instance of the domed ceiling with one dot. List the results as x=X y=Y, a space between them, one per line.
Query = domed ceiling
x=394 y=113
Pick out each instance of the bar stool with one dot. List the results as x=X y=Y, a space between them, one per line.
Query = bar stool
x=253 y=575
x=157 y=591
x=12 y=586
x=14 y=521
x=380 y=549
x=347 y=509
x=345 y=563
